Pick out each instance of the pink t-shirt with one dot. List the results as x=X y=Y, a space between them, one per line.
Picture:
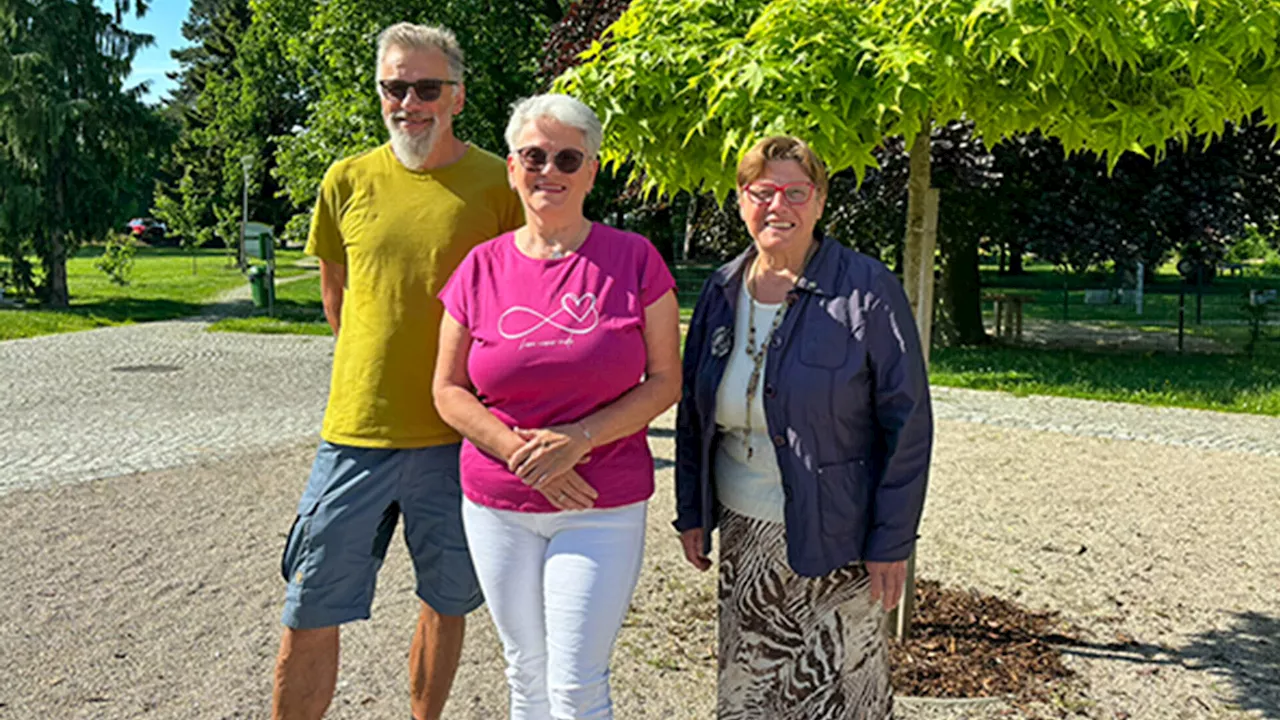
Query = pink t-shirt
x=552 y=342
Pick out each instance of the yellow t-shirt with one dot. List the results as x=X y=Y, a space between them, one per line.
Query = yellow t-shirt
x=400 y=233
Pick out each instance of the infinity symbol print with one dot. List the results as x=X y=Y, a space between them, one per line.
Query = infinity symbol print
x=580 y=308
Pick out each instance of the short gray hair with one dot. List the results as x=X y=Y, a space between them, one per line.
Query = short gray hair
x=561 y=108
x=409 y=36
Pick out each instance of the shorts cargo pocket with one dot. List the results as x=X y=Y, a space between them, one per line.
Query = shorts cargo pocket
x=844 y=492
x=295 y=546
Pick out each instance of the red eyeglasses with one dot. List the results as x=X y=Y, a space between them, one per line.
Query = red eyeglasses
x=795 y=193
x=567 y=160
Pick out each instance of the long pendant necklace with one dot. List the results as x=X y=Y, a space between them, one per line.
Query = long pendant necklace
x=757 y=353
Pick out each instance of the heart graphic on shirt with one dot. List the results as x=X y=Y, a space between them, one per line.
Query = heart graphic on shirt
x=579 y=308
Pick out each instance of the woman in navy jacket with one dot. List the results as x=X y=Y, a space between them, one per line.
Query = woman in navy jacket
x=804 y=434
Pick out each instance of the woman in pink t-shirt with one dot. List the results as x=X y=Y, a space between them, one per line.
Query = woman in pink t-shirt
x=559 y=345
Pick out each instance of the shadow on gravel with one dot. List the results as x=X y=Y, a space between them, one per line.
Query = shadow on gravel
x=137 y=310
x=1247 y=656
x=284 y=310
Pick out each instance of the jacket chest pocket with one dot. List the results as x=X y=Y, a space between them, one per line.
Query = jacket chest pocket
x=824 y=341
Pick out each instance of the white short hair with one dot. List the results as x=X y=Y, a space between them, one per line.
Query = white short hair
x=564 y=109
x=408 y=36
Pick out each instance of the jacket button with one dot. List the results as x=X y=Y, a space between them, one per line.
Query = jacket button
x=777 y=342
x=779 y=440
x=770 y=392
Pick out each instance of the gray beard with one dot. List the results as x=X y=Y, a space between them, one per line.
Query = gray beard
x=412 y=150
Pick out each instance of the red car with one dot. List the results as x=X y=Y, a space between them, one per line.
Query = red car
x=148 y=229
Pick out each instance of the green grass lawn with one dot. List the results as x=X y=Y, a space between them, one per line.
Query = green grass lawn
x=162 y=286
x=1231 y=383
x=298 y=311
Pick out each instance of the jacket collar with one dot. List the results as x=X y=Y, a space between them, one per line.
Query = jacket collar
x=820 y=276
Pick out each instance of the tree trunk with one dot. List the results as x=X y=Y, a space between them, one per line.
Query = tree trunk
x=664 y=239
x=922 y=228
x=55 y=259
x=1016 y=250
x=918 y=256
x=55 y=271
x=690 y=222
x=961 y=312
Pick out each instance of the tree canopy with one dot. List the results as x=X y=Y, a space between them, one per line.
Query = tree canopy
x=686 y=85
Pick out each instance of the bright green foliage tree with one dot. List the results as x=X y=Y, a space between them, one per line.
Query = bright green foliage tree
x=685 y=86
x=689 y=84
x=331 y=47
x=72 y=140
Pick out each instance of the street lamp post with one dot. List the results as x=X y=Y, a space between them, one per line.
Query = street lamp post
x=246 y=162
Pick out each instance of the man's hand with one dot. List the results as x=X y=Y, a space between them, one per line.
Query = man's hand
x=333 y=283
x=887 y=580
x=692 y=542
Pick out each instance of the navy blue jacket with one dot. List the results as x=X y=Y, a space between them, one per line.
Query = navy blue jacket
x=846 y=399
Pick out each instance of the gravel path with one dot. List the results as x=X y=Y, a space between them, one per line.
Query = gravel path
x=156 y=594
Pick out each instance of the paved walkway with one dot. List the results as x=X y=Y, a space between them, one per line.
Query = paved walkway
x=119 y=400
x=244 y=292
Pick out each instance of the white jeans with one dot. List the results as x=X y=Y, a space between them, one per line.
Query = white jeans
x=558 y=586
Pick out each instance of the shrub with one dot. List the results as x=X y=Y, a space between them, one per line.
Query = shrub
x=117 y=258
x=1253 y=246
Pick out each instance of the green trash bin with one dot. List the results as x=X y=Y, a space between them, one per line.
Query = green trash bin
x=262 y=283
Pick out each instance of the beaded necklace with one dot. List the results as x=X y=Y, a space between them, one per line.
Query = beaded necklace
x=757 y=353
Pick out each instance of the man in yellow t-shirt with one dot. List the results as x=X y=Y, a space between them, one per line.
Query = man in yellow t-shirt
x=390 y=226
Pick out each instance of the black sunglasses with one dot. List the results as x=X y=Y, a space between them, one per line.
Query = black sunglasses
x=567 y=161
x=427 y=89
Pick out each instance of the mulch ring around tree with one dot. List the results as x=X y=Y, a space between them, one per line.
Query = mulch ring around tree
x=967 y=645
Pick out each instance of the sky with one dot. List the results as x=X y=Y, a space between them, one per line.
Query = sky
x=164 y=21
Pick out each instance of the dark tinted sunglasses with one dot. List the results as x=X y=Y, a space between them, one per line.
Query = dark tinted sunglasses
x=427 y=89
x=567 y=161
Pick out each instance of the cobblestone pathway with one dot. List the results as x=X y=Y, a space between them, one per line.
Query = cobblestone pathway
x=1201 y=429
x=119 y=400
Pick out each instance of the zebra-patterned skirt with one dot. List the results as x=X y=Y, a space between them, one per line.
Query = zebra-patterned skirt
x=792 y=647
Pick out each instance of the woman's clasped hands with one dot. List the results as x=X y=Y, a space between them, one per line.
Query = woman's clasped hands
x=546 y=462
